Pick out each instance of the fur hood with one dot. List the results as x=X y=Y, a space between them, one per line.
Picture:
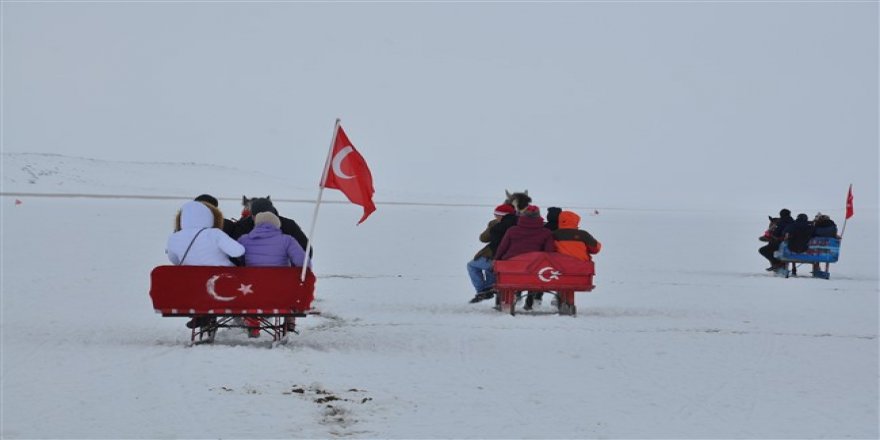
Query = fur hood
x=197 y=215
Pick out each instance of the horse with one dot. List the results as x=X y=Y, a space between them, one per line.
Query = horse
x=768 y=234
x=247 y=202
x=519 y=200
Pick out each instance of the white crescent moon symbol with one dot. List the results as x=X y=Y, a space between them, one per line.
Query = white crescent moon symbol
x=337 y=162
x=553 y=274
x=209 y=286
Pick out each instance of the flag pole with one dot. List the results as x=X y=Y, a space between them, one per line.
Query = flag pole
x=318 y=202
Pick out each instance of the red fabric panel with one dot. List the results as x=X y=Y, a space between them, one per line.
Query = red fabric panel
x=239 y=289
x=544 y=271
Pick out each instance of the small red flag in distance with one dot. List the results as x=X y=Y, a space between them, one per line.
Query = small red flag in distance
x=849 y=203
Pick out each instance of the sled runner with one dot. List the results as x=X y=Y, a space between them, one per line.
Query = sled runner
x=558 y=274
x=819 y=250
x=222 y=297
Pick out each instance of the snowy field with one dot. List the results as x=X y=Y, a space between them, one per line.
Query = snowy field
x=685 y=336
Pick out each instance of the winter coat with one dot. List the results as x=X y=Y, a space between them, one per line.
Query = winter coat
x=288 y=227
x=798 y=234
x=824 y=227
x=266 y=245
x=210 y=247
x=496 y=233
x=229 y=226
x=529 y=235
x=573 y=241
x=486 y=237
x=778 y=233
x=553 y=218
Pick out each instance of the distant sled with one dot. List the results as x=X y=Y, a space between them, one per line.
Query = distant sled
x=819 y=250
x=559 y=274
x=221 y=297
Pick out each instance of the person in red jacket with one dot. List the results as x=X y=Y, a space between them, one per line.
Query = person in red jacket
x=573 y=241
x=529 y=235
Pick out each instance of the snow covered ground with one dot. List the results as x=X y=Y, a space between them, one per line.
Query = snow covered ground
x=685 y=335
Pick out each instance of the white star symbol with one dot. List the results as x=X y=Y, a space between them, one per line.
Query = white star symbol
x=245 y=289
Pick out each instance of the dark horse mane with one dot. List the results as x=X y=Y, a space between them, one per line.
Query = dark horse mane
x=519 y=200
x=247 y=202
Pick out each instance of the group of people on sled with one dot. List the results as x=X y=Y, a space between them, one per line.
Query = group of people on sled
x=796 y=233
x=518 y=228
x=260 y=238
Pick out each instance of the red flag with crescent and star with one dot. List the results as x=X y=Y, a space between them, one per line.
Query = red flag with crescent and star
x=349 y=173
x=849 y=204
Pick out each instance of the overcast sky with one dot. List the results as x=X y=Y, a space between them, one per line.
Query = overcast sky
x=655 y=104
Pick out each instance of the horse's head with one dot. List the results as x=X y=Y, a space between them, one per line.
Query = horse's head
x=770 y=228
x=246 y=202
x=519 y=200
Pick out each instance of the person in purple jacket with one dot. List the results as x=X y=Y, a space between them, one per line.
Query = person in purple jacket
x=267 y=246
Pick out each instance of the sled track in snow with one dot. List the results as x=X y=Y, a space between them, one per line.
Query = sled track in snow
x=337 y=323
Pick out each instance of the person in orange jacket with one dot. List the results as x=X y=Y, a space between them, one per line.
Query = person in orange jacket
x=571 y=240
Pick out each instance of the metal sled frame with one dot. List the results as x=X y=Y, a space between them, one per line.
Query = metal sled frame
x=819 y=250
x=508 y=298
x=276 y=326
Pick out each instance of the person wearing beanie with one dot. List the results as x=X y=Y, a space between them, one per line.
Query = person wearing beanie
x=823 y=226
x=553 y=218
x=267 y=246
x=799 y=233
x=288 y=226
x=209 y=199
x=480 y=267
x=775 y=238
x=529 y=235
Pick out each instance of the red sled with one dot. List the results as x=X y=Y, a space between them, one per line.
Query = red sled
x=559 y=274
x=222 y=297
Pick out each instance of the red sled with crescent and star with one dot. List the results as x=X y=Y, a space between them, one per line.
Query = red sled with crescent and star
x=219 y=297
x=559 y=274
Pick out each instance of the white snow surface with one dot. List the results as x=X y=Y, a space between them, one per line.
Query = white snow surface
x=685 y=335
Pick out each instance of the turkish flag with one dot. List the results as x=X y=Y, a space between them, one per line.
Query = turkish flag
x=849 y=204
x=349 y=173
